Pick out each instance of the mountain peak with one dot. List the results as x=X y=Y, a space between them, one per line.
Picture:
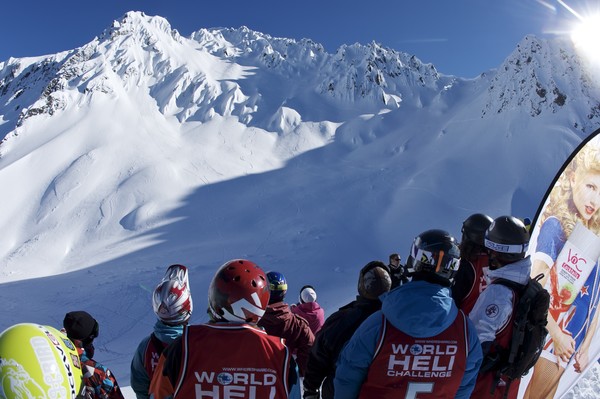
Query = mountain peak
x=138 y=23
x=542 y=76
x=254 y=76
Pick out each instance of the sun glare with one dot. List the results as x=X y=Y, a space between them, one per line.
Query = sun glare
x=584 y=27
x=586 y=36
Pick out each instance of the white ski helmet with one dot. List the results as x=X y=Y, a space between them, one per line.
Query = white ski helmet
x=307 y=294
x=172 y=299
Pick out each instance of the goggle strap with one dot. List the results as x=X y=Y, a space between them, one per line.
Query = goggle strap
x=506 y=248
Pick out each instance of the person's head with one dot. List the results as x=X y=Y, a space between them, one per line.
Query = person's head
x=507 y=240
x=239 y=292
x=38 y=361
x=527 y=223
x=307 y=294
x=585 y=185
x=373 y=280
x=576 y=194
x=395 y=260
x=473 y=233
x=277 y=286
x=81 y=326
x=434 y=257
x=172 y=299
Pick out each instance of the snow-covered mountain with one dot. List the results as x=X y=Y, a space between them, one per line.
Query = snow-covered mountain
x=145 y=148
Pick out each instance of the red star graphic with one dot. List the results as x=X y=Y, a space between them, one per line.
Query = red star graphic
x=584 y=291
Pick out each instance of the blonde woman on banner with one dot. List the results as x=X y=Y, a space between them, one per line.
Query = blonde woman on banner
x=566 y=252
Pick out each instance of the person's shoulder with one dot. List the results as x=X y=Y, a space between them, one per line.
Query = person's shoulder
x=361 y=305
x=278 y=307
x=99 y=367
x=264 y=340
x=552 y=224
x=144 y=342
x=300 y=321
x=496 y=292
x=309 y=307
x=348 y=315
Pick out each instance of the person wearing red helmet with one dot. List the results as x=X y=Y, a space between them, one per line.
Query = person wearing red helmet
x=213 y=359
x=172 y=304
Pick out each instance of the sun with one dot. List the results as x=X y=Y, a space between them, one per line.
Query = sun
x=585 y=36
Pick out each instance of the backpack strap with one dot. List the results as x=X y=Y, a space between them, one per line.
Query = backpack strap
x=518 y=289
x=524 y=302
x=513 y=285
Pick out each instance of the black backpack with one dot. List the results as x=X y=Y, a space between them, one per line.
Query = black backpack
x=529 y=329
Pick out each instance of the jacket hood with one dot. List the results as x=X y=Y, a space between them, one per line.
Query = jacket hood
x=419 y=308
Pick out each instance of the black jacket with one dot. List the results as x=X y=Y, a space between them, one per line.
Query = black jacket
x=399 y=275
x=330 y=340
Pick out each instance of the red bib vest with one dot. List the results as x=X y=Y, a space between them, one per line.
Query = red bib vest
x=152 y=354
x=479 y=283
x=486 y=381
x=409 y=367
x=232 y=361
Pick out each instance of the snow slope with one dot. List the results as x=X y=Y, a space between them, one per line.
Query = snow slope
x=144 y=148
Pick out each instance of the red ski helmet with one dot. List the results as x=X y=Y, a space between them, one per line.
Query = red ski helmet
x=238 y=292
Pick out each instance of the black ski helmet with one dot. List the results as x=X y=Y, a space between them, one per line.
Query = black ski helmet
x=373 y=280
x=508 y=238
x=475 y=226
x=435 y=251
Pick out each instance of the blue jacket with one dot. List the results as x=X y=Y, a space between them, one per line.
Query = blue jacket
x=417 y=308
x=140 y=380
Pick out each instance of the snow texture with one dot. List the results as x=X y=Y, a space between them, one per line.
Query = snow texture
x=144 y=148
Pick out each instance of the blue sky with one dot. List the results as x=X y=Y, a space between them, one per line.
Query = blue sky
x=460 y=37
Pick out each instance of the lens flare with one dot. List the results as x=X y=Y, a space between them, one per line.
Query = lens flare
x=584 y=28
x=585 y=37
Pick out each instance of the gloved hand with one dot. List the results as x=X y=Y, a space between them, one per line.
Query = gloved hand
x=311 y=395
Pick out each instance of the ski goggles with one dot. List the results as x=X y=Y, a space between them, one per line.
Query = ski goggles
x=439 y=261
x=506 y=248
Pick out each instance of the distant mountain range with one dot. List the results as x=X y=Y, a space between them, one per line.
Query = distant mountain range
x=225 y=103
x=187 y=77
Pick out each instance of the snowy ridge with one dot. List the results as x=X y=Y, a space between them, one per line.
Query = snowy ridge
x=378 y=75
x=144 y=148
x=196 y=78
x=354 y=73
x=142 y=91
x=544 y=76
x=175 y=102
